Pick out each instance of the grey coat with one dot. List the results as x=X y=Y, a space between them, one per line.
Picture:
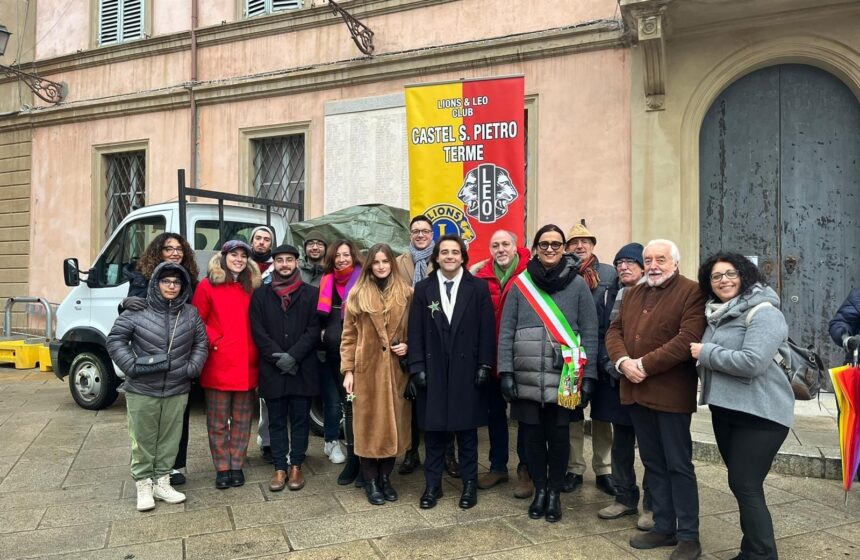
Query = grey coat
x=736 y=363
x=147 y=332
x=525 y=347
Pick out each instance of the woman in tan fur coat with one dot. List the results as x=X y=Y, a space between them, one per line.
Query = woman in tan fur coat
x=372 y=345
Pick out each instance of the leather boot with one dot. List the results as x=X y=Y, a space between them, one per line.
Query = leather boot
x=351 y=467
x=374 y=492
x=411 y=461
x=538 y=507
x=387 y=489
x=297 y=479
x=553 y=506
x=524 y=488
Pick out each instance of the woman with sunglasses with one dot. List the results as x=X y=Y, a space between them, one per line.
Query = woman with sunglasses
x=156 y=399
x=548 y=301
x=173 y=248
x=750 y=397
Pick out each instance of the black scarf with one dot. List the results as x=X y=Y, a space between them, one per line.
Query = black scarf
x=554 y=279
x=261 y=258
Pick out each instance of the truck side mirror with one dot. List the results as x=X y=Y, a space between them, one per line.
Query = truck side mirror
x=71 y=273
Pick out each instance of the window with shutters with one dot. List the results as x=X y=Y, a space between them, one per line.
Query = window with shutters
x=262 y=7
x=120 y=21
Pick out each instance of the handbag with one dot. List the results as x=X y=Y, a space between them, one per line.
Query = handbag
x=804 y=369
x=156 y=363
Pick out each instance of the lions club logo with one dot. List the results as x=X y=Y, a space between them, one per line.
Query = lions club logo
x=487 y=191
x=448 y=219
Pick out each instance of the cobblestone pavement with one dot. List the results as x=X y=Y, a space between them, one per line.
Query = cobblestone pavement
x=66 y=493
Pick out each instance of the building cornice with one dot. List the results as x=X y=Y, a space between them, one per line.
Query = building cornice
x=242 y=30
x=605 y=34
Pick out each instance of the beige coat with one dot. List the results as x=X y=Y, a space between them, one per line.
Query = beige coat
x=382 y=417
x=407 y=267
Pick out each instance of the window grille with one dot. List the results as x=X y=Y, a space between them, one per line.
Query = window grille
x=262 y=7
x=120 y=21
x=279 y=171
x=125 y=176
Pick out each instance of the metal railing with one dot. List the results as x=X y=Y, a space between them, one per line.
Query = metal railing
x=7 y=314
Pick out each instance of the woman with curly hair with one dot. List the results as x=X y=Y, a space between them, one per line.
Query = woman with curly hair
x=231 y=372
x=173 y=248
x=750 y=397
x=341 y=271
x=374 y=325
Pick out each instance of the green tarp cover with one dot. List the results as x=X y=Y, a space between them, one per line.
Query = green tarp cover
x=365 y=225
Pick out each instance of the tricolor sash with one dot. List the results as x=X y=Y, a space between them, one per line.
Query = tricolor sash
x=560 y=330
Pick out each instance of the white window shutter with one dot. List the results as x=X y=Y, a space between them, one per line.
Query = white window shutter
x=278 y=5
x=108 y=21
x=132 y=19
x=255 y=8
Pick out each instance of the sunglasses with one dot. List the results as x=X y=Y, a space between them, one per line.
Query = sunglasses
x=554 y=245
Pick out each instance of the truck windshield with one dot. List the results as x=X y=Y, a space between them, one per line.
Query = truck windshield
x=126 y=247
x=206 y=235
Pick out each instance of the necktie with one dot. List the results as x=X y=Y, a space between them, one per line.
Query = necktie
x=448 y=285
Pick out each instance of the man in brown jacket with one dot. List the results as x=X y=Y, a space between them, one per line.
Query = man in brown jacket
x=649 y=343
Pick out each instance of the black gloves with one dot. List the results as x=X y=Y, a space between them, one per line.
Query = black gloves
x=133 y=304
x=588 y=386
x=417 y=382
x=481 y=375
x=509 y=386
x=286 y=363
x=851 y=343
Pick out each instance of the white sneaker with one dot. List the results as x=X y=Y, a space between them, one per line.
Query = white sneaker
x=329 y=445
x=145 y=502
x=162 y=490
x=336 y=456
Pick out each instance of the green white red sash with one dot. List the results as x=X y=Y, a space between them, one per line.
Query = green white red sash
x=560 y=330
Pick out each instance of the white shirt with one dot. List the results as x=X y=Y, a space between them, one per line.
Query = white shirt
x=448 y=305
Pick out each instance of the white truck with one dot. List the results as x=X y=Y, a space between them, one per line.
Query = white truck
x=88 y=312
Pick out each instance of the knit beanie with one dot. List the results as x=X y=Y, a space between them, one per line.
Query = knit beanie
x=267 y=229
x=314 y=235
x=632 y=251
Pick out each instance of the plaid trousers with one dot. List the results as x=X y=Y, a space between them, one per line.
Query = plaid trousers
x=228 y=420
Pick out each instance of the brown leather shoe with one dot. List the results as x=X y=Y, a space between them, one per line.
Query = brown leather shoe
x=490 y=479
x=297 y=481
x=524 y=488
x=279 y=480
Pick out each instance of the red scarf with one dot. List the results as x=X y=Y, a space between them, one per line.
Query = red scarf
x=286 y=287
x=588 y=271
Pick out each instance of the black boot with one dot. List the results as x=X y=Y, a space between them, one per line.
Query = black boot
x=538 y=507
x=411 y=461
x=387 y=489
x=553 y=506
x=374 y=492
x=351 y=467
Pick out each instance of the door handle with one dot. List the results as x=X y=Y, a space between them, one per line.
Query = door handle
x=790 y=264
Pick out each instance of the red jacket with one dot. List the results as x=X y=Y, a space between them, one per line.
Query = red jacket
x=497 y=294
x=233 y=361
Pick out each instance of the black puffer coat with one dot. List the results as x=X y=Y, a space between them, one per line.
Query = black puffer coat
x=147 y=332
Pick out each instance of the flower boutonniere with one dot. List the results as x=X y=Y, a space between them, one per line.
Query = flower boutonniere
x=434 y=307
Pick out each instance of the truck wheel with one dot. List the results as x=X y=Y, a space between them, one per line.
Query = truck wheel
x=92 y=381
x=317 y=416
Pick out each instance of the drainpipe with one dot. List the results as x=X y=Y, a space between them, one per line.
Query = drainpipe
x=192 y=101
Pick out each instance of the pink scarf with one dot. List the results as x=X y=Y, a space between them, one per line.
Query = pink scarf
x=343 y=281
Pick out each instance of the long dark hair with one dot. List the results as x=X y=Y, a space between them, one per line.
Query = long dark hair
x=332 y=251
x=545 y=229
x=749 y=273
x=152 y=256
x=434 y=258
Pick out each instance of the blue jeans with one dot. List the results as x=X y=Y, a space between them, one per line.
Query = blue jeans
x=497 y=428
x=295 y=411
x=331 y=387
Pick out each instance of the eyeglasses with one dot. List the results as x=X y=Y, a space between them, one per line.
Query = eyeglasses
x=169 y=250
x=625 y=262
x=730 y=274
x=315 y=244
x=169 y=282
x=421 y=231
x=554 y=245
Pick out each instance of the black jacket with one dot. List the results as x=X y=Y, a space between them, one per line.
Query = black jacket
x=847 y=319
x=143 y=333
x=451 y=354
x=295 y=332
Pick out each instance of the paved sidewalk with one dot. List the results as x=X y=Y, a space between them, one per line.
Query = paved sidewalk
x=65 y=493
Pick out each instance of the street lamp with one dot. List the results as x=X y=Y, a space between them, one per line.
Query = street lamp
x=45 y=89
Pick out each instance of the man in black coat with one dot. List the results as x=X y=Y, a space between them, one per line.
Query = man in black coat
x=285 y=328
x=452 y=348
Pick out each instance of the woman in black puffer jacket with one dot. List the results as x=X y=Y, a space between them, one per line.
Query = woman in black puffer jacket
x=156 y=401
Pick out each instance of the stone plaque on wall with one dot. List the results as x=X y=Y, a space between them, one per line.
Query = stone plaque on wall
x=365 y=152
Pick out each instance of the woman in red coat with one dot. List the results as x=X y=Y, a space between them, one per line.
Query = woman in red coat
x=230 y=375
